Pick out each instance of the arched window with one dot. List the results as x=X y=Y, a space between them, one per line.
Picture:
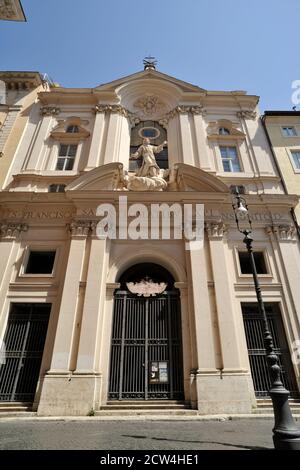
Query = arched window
x=224 y=131
x=157 y=135
x=72 y=129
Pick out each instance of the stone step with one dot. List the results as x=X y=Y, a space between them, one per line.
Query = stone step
x=145 y=404
x=146 y=412
x=15 y=407
x=17 y=414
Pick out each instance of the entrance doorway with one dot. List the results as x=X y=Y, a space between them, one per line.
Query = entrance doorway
x=22 y=351
x=146 y=346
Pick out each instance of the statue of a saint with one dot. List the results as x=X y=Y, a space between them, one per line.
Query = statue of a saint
x=149 y=166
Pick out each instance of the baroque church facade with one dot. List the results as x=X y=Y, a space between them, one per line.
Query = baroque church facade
x=89 y=321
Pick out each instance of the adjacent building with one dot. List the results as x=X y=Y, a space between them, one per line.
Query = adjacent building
x=89 y=321
x=18 y=93
x=11 y=10
x=283 y=128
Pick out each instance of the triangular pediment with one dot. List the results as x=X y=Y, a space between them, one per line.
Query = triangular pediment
x=152 y=75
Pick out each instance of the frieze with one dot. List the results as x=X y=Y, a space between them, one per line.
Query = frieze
x=25 y=215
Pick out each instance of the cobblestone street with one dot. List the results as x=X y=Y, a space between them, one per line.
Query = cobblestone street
x=240 y=434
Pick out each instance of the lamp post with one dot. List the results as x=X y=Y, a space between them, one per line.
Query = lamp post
x=286 y=435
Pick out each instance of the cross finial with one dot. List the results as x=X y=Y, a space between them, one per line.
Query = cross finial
x=150 y=63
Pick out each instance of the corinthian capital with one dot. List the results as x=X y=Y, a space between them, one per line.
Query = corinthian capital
x=12 y=230
x=285 y=232
x=50 y=111
x=79 y=228
x=215 y=230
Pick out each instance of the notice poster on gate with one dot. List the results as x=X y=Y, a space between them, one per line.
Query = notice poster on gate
x=159 y=372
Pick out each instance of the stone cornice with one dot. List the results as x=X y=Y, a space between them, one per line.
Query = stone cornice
x=247 y=115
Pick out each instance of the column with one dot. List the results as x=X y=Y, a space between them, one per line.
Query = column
x=93 y=309
x=201 y=142
x=232 y=391
x=113 y=138
x=62 y=351
x=35 y=157
x=9 y=246
x=186 y=139
x=286 y=248
x=97 y=139
x=202 y=318
x=224 y=299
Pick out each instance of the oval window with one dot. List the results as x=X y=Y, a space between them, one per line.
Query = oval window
x=150 y=132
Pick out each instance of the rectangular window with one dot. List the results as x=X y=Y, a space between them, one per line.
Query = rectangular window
x=230 y=159
x=40 y=262
x=259 y=259
x=56 y=188
x=66 y=157
x=296 y=158
x=289 y=131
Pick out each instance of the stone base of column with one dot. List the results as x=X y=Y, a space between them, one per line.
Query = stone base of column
x=225 y=393
x=70 y=394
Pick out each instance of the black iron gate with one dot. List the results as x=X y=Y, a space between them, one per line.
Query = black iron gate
x=146 y=352
x=23 y=348
x=257 y=356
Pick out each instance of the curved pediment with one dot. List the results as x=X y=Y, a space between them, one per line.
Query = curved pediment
x=111 y=177
x=190 y=178
x=102 y=178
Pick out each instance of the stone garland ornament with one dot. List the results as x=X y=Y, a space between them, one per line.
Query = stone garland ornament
x=146 y=287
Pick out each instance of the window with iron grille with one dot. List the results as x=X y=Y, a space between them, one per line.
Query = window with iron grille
x=66 y=157
x=230 y=159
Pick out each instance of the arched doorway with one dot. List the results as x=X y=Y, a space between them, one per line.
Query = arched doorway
x=146 y=345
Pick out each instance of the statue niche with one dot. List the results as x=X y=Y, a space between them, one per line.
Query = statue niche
x=148 y=161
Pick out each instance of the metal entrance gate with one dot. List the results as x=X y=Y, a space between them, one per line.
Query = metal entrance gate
x=24 y=342
x=146 y=353
x=257 y=356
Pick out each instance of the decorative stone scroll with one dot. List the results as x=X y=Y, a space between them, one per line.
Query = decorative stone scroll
x=149 y=105
x=146 y=288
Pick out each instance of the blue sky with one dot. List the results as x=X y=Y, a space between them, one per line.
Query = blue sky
x=215 y=44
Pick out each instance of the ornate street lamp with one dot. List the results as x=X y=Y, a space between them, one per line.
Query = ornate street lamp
x=286 y=435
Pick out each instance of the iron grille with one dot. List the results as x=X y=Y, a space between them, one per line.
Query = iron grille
x=24 y=345
x=253 y=324
x=145 y=330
